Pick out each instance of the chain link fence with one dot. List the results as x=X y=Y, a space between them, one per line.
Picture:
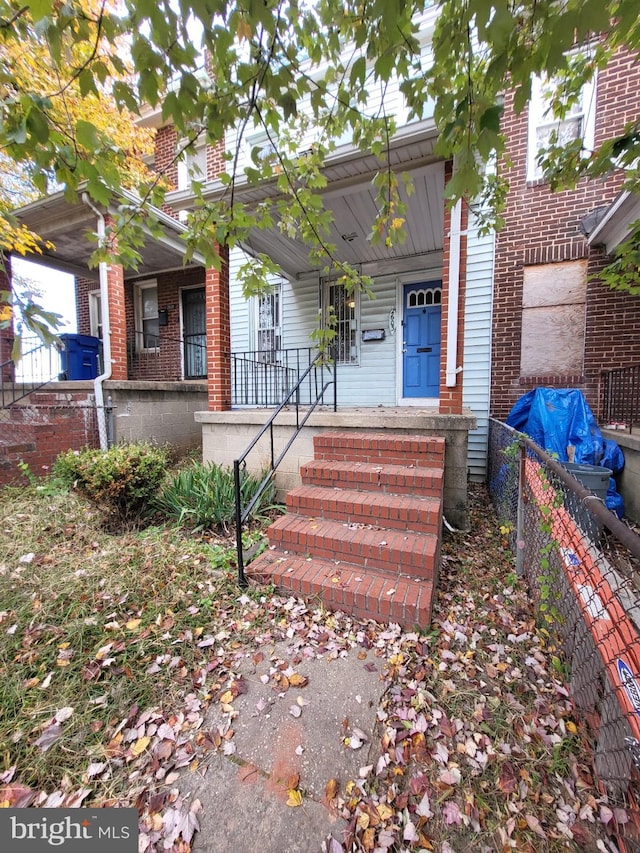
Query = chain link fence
x=582 y=565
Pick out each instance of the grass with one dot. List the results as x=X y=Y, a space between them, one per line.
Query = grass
x=84 y=617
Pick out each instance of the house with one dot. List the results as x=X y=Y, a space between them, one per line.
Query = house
x=454 y=330
x=415 y=357
x=554 y=322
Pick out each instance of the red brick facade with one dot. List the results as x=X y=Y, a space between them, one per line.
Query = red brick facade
x=219 y=337
x=6 y=335
x=543 y=228
x=43 y=427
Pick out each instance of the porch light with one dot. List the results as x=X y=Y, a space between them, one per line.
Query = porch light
x=350 y=237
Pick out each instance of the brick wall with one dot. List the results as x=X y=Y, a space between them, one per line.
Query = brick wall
x=45 y=425
x=542 y=227
x=166 y=364
x=6 y=335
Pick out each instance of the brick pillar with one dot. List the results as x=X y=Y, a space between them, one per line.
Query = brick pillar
x=117 y=321
x=451 y=398
x=218 y=335
x=6 y=335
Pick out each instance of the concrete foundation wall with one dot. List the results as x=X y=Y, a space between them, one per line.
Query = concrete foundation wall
x=159 y=412
x=628 y=480
x=226 y=435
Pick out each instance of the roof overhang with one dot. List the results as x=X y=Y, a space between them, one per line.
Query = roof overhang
x=350 y=196
x=71 y=225
x=616 y=224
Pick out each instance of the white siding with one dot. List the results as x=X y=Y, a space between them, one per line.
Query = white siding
x=477 y=344
x=241 y=337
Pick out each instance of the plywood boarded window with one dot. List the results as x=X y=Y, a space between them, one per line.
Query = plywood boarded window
x=553 y=318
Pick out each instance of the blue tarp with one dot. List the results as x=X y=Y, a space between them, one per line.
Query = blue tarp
x=556 y=418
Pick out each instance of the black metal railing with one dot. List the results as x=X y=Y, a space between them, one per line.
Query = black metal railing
x=156 y=356
x=621 y=397
x=265 y=377
x=321 y=375
x=39 y=364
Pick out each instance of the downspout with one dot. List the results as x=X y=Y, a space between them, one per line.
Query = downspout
x=454 y=293
x=106 y=332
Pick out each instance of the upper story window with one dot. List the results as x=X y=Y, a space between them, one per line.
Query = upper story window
x=146 y=315
x=192 y=164
x=340 y=310
x=578 y=123
x=259 y=147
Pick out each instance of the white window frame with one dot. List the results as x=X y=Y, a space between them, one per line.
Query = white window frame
x=95 y=314
x=260 y=140
x=190 y=165
x=275 y=291
x=540 y=115
x=139 y=318
x=353 y=320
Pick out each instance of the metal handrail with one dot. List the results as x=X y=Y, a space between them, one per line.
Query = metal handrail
x=264 y=377
x=243 y=514
x=9 y=393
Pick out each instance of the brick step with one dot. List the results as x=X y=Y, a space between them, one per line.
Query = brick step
x=420 y=450
x=400 y=512
x=394 y=479
x=394 y=551
x=370 y=594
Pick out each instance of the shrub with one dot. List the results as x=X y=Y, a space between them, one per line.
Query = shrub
x=123 y=480
x=202 y=496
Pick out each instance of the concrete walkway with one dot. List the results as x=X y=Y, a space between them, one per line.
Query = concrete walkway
x=246 y=795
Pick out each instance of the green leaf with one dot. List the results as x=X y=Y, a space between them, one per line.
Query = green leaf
x=87 y=135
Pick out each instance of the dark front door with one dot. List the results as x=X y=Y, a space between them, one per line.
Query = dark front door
x=421 y=339
x=194 y=333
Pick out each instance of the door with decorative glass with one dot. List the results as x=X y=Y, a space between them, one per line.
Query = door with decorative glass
x=421 y=340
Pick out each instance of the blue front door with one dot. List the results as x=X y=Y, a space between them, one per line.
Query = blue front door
x=421 y=339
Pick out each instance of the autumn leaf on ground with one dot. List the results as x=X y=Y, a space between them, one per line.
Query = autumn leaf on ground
x=331 y=789
x=294 y=798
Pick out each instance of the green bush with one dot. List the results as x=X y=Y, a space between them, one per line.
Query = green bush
x=202 y=496
x=123 y=480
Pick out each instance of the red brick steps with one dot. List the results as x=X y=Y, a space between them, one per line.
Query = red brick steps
x=384 y=596
x=362 y=532
x=353 y=507
x=394 y=479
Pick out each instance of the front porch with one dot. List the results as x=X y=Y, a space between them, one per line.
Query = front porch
x=225 y=435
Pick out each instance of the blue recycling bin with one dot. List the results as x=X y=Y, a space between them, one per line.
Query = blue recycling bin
x=79 y=357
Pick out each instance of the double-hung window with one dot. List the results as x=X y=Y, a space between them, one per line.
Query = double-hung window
x=269 y=323
x=192 y=164
x=545 y=127
x=146 y=315
x=95 y=314
x=340 y=312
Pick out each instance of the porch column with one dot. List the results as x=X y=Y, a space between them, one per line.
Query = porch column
x=6 y=335
x=451 y=394
x=218 y=335
x=117 y=321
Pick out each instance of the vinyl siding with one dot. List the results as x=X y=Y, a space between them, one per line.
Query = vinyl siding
x=477 y=345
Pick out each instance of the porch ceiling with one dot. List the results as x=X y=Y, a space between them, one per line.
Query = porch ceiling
x=354 y=209
x=351 y=199
x=69 y=226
